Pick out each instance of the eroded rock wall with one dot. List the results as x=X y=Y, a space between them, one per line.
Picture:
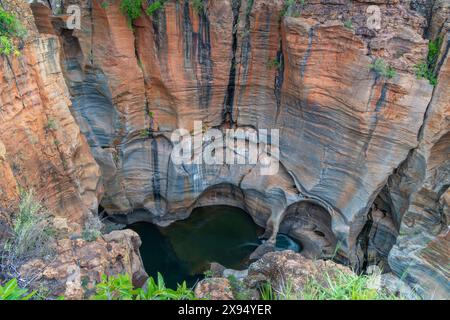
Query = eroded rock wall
x=41 y=145
x=344 y=129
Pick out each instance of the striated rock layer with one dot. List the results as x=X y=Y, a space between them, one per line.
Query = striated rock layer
x=41 y=145
x=349 y=136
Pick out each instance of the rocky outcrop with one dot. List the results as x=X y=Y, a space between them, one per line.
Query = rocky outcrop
x=287 y=268
x=41 y=145
x=214 y=289
x=79 y=265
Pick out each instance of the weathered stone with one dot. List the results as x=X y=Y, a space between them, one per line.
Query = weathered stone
x=79 y=265
x=214 y=289
x=290 y=268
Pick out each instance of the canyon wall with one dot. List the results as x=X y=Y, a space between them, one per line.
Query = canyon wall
x=363 y=156
x=42 y=146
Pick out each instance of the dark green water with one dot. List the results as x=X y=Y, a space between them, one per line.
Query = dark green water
x=184 y=250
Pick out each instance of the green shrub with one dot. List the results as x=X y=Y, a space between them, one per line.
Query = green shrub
x=348 y=24
x=344 y=286
x=92 y=228
x=132 y=9
x=158 y=291
x=51 y=125
x=105 y=5
x=198 y=6
x=10 y=29
x=273 y=63
x=32 y=237
x=382 y=69
x=121 y=288
x=335 y=286
x=32 y=232
x=155 y=7
x=426 y=70
x=12 y=291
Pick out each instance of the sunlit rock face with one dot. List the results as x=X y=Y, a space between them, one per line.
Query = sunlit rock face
x=41 y=146
x=344 y=129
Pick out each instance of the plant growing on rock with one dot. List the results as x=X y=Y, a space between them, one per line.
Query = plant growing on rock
x=292 y=8
x=348 y=24
x=155 y=7
x=10 y=30
x=52 y=125
x=426 y=70
x=33 y=237
x=381 y=68
x=92 y=228
x=132 y=9
x=198 y=6
x=12 y=291
x=120 y=287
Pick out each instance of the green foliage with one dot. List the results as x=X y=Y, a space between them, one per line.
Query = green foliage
x=291 y=8
x=335 y=286
x=208 y=274
x=132 y=9
x=344 y=286
x=158 y=291
x=273 y=63
x=155 y=7
x=383 y=69
x=115 y=288
x=266 y=292
x=92 y=228
x=426 y=70
x=348 y=24
x=144 y=133
x=32 y=233
x=121 y=288
x=105 y=5
x=12 y=291
x=10 y=29
x=51 y=125
x=198 y=6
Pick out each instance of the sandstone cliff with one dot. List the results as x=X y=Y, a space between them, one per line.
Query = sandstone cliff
x=363 y=157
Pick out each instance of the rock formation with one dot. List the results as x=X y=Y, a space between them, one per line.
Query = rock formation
x=363 y=155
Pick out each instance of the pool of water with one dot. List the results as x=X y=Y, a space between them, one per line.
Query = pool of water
x=184 y=250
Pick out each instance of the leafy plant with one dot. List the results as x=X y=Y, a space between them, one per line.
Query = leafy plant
x=198 y=6
x=348 y=24
x=155 y=7
x=426 y=70
x=12 y=291
x=105 y=5
x=273 y=63
x=115 y=288
x=121 y=288
x=158 y=291
x=10 y=29
x=51 y=125
x=383 y=69
x=132 y=9
x=92 y=228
